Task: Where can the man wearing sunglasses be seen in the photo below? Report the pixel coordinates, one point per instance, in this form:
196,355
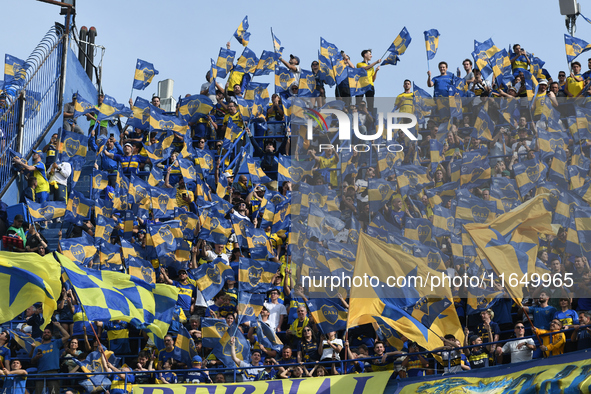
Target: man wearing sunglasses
521,349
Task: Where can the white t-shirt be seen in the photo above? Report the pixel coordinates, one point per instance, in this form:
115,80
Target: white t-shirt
211,256
327,350
251,373
519,355
275,310
61,177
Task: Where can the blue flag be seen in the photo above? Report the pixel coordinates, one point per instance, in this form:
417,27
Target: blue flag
431,42
144,73
241,34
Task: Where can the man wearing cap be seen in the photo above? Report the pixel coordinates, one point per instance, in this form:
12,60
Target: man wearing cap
130,163
186,286
39,172
196,374
18,230
69,120
371,76
541,102
294,66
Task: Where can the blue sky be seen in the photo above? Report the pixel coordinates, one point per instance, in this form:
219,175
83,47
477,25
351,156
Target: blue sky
180,37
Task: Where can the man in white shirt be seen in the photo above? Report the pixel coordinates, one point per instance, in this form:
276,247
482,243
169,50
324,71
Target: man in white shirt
520,349
218,251
59,174
276,310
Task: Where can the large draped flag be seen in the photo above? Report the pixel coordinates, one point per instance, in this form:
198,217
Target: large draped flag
431,42
144,73
401,42
108,295
510,242
241,34
574,47
411,308
28,278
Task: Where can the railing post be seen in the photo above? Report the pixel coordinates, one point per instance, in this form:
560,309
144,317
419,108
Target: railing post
65,43
20,107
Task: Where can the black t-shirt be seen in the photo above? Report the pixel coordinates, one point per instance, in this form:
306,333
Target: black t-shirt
309,350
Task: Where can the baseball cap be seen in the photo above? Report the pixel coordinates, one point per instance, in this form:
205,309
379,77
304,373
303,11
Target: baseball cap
295,57
229,173
40,153
543,81
197,359
19,217
128,144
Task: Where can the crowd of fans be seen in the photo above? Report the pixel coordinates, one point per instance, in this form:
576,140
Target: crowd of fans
552,309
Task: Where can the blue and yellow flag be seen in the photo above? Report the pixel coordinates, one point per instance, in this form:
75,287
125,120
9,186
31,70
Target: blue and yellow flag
557,171
528,174
379,193
267,63
104,227
48,210
392,58
255,276
83,106
483,51
212,330
242,348
443,221
254,88
77,208
139,192
80,250
510,242
140,268
159,121
574,47
163,202
359,82
15,71
291,170
475,210
307,85
144,73
325,71
103,207
504,191
185,345
411,309
109,257
250,306
141,114
283,79
501,67
475,169
215,227
167,240
276,43
24,340
421,230
267,337
225,62
194,107
484,125
110,109
110,295
411,179
329,314
28,278
247,62
401,42
241,34
211,277
431,42
327,49
72,145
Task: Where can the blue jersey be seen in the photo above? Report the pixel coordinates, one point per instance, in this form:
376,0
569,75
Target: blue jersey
50,361
542,316
442,84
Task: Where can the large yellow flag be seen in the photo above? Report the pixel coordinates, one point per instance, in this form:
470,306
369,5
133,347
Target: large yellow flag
25,279
400,291
510,242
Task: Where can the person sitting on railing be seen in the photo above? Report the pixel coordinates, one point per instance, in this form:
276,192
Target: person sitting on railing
15,378
250,373
69,120
552,344
520,349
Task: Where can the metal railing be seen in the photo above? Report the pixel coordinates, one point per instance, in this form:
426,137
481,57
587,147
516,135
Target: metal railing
28,116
